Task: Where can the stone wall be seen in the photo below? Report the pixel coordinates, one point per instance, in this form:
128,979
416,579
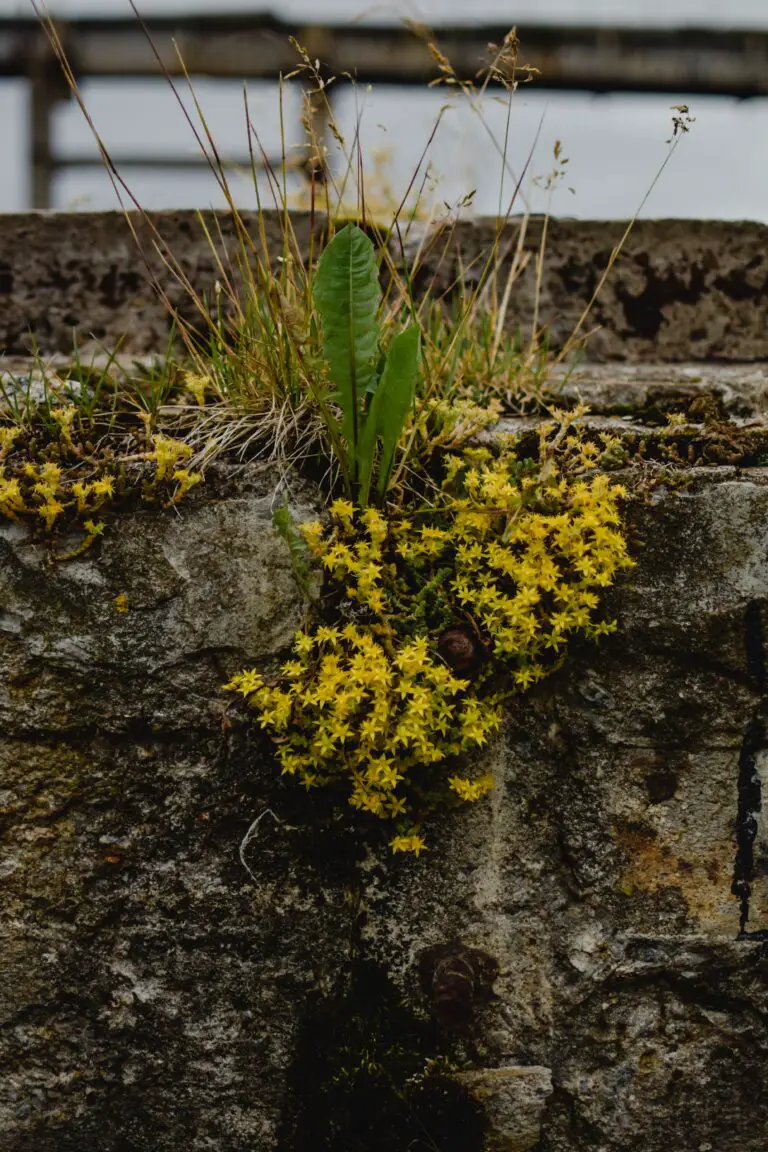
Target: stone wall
681,291
592,940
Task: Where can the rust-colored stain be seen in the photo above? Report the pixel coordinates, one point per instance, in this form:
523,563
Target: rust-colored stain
653,863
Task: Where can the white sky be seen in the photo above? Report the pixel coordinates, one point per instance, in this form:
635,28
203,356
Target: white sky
615,144
723,13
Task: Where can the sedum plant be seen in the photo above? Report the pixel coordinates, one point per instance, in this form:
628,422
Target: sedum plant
433,619
56,480
454,577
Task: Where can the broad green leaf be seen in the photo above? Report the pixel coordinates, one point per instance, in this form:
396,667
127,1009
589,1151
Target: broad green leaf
347,296
396,392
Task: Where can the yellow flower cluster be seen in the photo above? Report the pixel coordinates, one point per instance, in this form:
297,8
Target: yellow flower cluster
166,454
471,790
350,708
528,561
65,418
413,843
12,503
519,551
44,489
454,422
352,558
198,386
45,485
38,490
8,434
93,495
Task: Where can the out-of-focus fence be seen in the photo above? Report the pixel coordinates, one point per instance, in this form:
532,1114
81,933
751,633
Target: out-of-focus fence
690,61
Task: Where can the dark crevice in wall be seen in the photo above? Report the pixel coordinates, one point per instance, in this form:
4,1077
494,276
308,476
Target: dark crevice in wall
359,1078
736,286
754,743
755,646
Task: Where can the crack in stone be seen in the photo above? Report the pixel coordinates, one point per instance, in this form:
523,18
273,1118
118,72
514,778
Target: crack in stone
754,749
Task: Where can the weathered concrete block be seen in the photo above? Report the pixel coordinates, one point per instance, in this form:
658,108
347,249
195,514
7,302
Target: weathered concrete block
683,290
157,996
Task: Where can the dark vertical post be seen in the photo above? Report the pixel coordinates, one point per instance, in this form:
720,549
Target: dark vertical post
40,157
48,86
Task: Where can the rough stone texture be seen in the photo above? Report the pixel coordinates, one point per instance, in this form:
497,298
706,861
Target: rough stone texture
739,391
91,273
681,291
146,982
157,996
514,1100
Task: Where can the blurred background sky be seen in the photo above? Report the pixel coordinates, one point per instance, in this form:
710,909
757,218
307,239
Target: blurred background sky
615,143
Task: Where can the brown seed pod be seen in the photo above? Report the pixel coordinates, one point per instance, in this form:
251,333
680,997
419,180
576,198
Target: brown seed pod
461,649
455,979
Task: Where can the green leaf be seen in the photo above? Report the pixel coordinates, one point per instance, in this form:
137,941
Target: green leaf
367,447
347,296
396,392
301,560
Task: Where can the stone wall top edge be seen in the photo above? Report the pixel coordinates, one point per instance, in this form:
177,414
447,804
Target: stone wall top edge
675,227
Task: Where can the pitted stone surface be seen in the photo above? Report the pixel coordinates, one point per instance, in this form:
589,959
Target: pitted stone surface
682,291
156,996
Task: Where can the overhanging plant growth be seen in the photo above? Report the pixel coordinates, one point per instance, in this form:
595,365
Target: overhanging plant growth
462,592
435,613
433,617
454,575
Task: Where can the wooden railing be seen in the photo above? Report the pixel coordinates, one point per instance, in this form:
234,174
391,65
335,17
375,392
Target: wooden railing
591,59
